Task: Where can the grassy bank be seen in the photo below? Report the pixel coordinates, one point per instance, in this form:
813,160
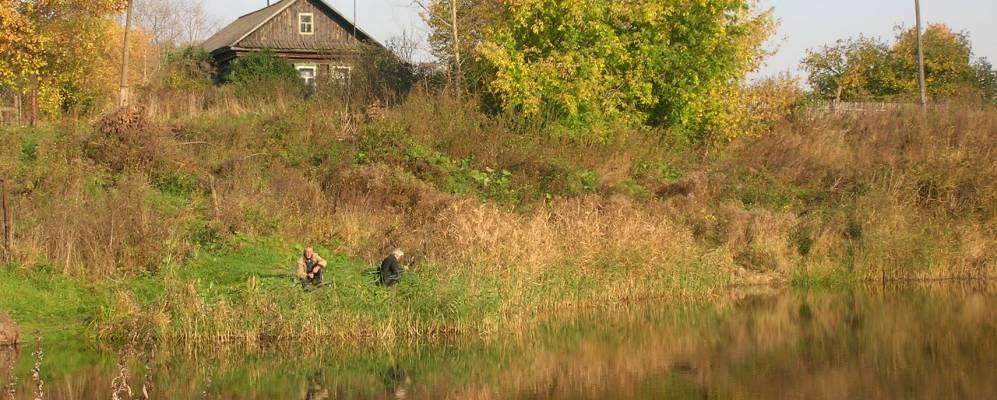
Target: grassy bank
250,296
186,226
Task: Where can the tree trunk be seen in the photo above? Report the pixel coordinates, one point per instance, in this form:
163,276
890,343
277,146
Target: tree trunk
123,95
34,101
456,48
17,107
837,97
145,66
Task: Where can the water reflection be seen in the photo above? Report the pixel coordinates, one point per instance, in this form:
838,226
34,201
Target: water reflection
938,341
314,389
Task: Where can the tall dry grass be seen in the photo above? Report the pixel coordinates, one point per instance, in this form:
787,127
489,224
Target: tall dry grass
900,194
817,200
892,195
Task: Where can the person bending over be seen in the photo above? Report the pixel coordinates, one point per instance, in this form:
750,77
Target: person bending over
310,268
391,270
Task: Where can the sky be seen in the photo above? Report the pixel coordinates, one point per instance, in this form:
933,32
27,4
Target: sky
804,24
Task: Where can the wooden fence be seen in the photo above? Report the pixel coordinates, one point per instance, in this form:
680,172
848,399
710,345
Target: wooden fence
864,107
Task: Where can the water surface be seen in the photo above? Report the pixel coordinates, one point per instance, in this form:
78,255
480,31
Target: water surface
930,341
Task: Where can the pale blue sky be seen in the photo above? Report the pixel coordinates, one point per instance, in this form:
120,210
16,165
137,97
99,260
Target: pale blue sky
804,23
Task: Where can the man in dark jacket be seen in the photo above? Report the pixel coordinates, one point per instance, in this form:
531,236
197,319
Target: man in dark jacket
391,271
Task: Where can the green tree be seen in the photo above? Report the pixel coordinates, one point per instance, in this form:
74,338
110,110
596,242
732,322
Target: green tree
986,79
852,70
869,69
590,64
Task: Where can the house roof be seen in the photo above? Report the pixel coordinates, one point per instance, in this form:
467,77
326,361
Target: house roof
233,33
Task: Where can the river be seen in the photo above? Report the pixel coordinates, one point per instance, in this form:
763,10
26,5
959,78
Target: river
931,341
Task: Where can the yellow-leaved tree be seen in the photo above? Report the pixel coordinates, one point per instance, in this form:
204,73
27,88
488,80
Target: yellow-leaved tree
592,65
60,49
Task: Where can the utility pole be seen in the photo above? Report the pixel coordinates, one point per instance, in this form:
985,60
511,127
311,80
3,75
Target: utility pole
920,55
355,20
123,94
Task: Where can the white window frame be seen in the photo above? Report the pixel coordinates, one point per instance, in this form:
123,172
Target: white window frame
346,77
313,67
311,23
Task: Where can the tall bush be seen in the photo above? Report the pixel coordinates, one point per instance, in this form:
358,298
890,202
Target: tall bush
263,73
189,68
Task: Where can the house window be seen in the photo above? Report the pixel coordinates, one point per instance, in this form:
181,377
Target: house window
307,73
340,73
305,23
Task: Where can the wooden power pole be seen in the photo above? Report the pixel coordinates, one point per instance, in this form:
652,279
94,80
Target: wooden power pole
920,55
123,94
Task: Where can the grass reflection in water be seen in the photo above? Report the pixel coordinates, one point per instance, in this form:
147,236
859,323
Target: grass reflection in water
937,341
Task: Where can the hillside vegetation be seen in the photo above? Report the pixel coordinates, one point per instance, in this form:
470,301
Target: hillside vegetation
185,225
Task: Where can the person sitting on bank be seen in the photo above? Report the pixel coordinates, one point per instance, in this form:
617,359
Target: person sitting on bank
391,271
310,267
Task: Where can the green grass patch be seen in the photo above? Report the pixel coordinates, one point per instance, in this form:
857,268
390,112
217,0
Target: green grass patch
39,299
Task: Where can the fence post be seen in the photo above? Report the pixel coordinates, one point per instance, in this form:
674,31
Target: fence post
5,211
17,108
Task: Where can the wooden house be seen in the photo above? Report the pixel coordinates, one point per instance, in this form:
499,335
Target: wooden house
312,35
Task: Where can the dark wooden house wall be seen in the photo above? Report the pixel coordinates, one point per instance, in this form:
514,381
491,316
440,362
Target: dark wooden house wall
281,32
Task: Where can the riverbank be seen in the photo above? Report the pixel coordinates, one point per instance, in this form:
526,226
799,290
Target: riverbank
185,228
250,296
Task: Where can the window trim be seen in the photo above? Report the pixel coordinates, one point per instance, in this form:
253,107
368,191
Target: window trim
311,66
311,23
347,68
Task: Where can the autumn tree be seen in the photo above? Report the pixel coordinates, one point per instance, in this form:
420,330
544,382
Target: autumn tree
869,69
592,64
852,69
54,46
948,69
20,45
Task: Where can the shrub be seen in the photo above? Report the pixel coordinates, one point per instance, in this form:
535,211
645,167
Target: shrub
382,76
190,68
262,73
124,139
